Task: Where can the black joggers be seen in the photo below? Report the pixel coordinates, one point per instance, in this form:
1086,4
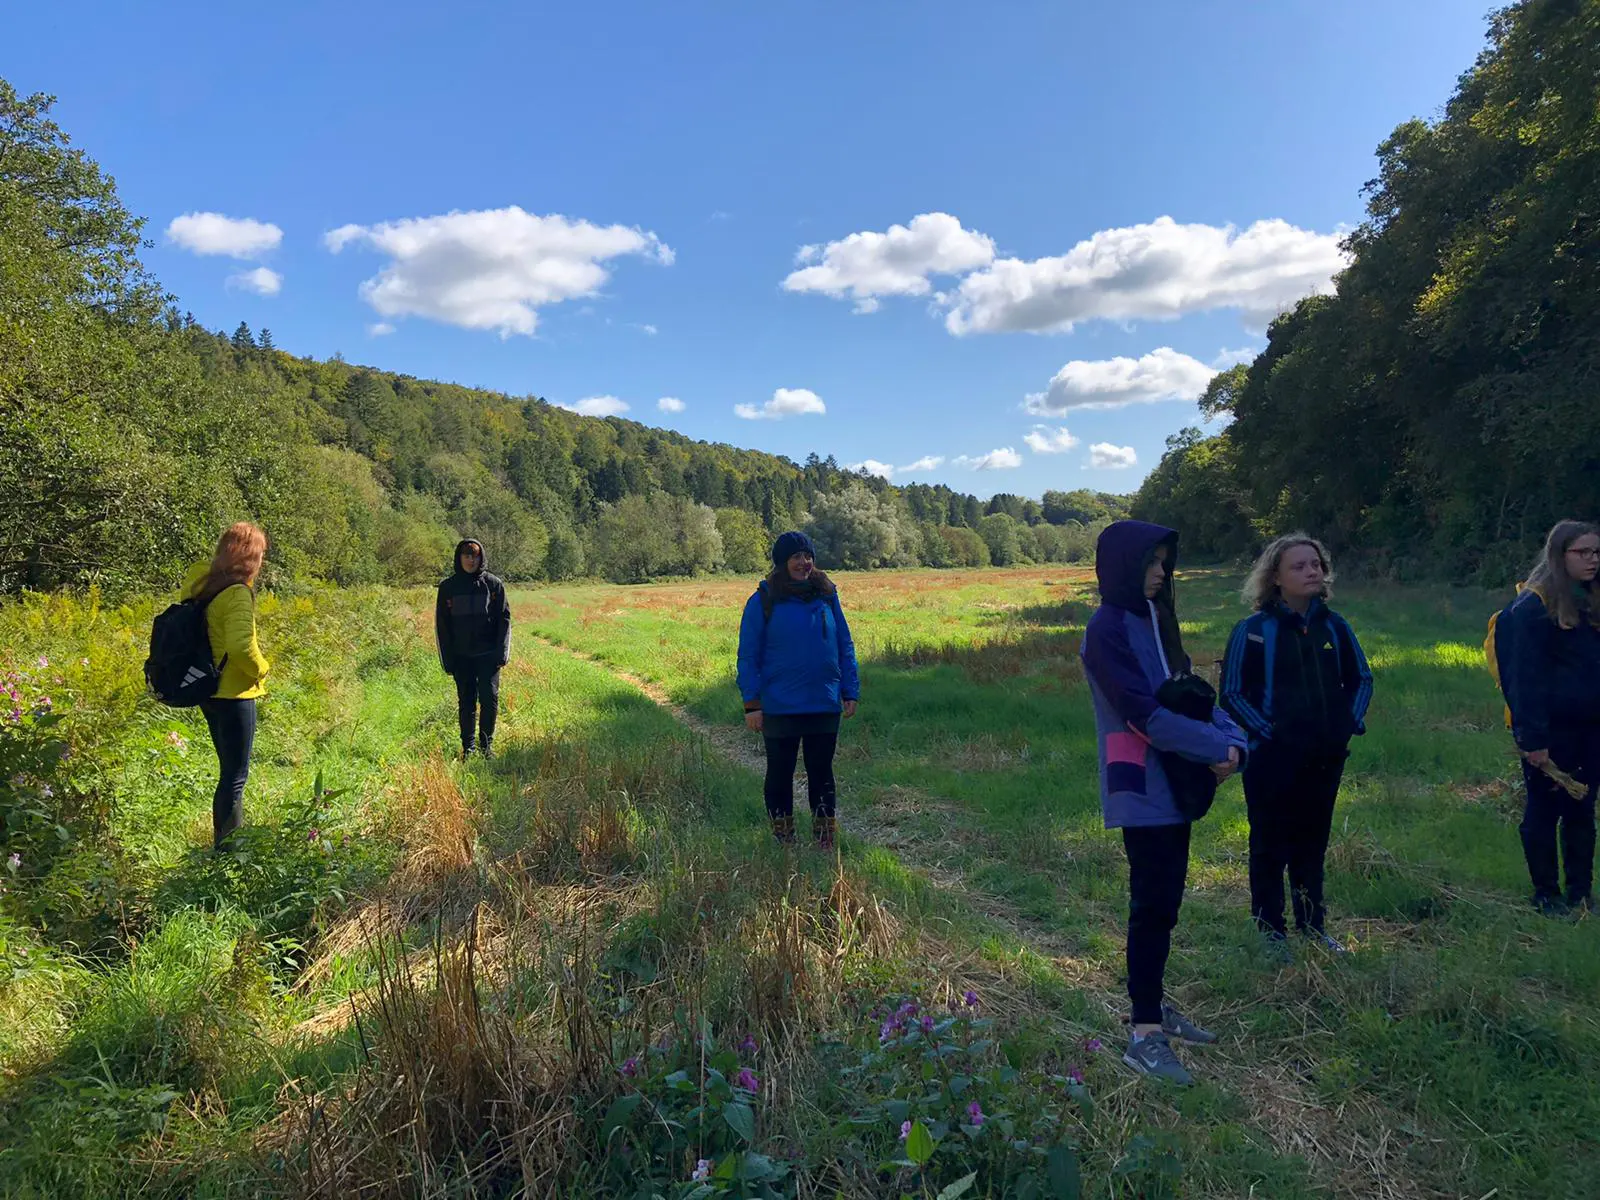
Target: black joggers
782,755
1158,865
233,733
1289,795
1550,811
477,700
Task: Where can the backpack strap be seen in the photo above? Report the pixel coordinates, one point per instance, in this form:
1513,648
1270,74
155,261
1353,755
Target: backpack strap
767,601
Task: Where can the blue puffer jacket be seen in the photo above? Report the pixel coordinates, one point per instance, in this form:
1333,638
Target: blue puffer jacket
1125,664
802,660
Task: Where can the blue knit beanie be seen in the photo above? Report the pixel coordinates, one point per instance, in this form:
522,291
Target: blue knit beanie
789,544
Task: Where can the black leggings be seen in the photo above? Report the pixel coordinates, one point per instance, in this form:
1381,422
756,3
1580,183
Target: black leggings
477,699
1289,795
782,755
1553,818
233,733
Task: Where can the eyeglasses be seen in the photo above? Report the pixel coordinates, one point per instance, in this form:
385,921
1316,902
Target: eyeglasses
1585,552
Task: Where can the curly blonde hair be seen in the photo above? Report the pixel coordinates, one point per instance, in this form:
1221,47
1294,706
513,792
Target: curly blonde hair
1261,585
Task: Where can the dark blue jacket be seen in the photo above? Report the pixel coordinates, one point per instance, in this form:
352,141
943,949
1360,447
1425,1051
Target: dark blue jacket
801,661
1296,680
1551,677
1125,663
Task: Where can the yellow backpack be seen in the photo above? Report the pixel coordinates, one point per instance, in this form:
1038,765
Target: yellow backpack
1491,653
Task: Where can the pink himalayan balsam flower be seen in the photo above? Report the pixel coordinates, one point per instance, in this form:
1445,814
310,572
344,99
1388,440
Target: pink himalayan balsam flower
905,1130
702,1170
749,1045
927,1024
747,1079
970,999
975,1113
630,1068
1094,1045
1075,1075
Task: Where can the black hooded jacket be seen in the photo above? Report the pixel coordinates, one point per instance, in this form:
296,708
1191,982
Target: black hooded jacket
472,618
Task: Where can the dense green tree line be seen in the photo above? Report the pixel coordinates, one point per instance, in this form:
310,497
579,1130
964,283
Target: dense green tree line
1443,408
129,435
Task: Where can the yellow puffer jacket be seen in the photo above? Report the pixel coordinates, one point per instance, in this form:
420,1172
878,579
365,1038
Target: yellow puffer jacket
231,622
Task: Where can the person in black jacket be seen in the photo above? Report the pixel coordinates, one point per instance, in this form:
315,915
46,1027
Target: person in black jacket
473,624
1295,678
1548,647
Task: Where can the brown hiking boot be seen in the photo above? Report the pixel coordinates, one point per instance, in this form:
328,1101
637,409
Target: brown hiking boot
783,830
825,830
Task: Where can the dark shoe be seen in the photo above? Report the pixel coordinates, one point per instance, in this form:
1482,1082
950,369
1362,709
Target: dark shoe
1329,943
1152,1055
1550,906
783,830
1175,1025
466,750
1275,946
1581,904
486,750
824,830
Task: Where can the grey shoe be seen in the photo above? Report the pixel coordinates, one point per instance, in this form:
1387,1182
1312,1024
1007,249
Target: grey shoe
1152,1055
1327,941
1175,1025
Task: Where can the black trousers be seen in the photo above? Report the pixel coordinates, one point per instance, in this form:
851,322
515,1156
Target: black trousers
1289,795
233,734
1158,865
1553,817
477,699
782,755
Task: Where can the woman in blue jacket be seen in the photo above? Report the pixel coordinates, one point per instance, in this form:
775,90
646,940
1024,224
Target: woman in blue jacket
1548,642
797,674
1130,648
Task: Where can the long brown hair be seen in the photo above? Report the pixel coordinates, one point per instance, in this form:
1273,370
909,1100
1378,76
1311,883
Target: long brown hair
1261,585
1550,579
240,550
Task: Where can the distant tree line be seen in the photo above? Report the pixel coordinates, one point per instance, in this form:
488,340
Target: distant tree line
1441,410
129,435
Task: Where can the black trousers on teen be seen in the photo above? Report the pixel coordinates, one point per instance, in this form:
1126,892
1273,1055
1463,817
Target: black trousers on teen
1158,865
233,734
477,698
1555,819
1289,794
817,736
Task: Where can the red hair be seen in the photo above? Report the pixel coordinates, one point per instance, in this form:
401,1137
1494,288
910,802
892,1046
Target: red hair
238,558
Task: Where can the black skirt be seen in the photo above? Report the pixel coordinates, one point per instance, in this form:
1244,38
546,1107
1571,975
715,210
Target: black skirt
789,725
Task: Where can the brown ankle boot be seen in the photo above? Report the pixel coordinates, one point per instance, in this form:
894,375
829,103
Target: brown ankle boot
783,830
824,829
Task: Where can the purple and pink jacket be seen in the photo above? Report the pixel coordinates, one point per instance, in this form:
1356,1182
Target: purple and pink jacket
1125,663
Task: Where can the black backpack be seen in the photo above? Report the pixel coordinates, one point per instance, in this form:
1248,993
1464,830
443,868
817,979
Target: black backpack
179,670
1194,785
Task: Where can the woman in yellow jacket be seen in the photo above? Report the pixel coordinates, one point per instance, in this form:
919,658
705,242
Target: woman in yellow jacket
225,586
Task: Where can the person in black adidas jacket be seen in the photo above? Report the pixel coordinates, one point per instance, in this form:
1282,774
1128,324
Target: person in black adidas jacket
1296,680
473,624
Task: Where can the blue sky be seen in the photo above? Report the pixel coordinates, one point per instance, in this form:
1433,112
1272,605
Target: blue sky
635,184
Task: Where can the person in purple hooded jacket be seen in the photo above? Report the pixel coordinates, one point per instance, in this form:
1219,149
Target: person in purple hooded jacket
1130,648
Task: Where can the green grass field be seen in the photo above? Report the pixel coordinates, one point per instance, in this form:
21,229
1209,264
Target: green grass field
543,975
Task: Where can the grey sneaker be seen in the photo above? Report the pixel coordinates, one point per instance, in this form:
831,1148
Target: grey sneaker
1327,941
1175,1025
1152,1055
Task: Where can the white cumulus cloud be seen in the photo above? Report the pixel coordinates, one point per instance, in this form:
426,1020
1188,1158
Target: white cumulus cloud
597,406
929,462
865,266
213,233
996,460
1232,358
1104,454
490,269
1162,374
380,329
263,281
785,402
873,467
1044,440
1158,271
671,404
